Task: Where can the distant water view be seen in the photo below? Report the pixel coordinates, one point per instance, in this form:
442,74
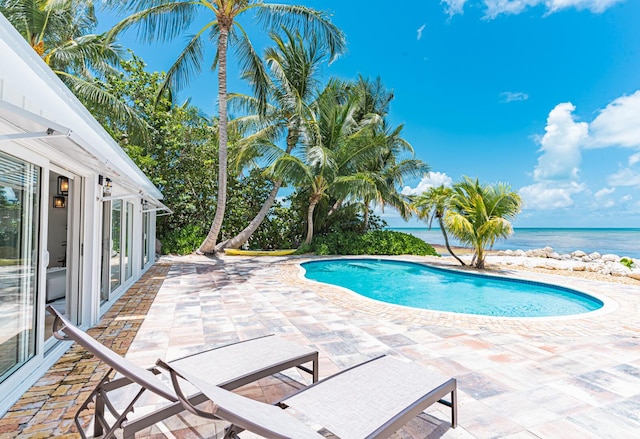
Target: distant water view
622,242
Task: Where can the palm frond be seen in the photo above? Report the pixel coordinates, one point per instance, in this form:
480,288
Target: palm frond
308,20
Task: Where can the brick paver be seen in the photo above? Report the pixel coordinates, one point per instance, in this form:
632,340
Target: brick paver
47,408
518,378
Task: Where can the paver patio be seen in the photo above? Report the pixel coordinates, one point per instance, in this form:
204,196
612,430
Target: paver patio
517,378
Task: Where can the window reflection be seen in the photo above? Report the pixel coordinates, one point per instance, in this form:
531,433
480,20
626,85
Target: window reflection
19,218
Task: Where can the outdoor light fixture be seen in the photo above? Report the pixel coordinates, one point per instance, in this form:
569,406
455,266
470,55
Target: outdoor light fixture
59,202
106,185
63,185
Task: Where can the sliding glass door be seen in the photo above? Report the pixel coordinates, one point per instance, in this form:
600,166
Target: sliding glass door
19,220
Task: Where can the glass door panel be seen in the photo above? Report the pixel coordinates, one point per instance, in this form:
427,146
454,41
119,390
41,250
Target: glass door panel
19,220
116,244
128,241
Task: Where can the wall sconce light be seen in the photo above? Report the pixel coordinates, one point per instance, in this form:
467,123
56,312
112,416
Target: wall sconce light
63,185
59,202
106,185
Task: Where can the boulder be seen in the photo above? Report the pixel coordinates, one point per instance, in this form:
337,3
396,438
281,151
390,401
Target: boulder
508,252
586,259
620,271
610,258
578,266
634,274
537,253
548,249
519,253
554,255
595,267
595,255
578,254
606,271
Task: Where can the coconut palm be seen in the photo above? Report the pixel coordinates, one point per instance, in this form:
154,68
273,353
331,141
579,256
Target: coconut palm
294,66
480,214
166,19
337,151
379,180
433,204
60,31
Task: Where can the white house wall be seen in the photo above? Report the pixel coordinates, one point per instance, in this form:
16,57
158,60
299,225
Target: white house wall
32,98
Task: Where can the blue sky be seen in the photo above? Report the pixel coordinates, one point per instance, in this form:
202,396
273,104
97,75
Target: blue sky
542,94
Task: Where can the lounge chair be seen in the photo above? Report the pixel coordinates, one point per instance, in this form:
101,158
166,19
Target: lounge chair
229,367
371,400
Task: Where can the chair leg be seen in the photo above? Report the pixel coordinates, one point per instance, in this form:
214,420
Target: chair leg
454,408
99,414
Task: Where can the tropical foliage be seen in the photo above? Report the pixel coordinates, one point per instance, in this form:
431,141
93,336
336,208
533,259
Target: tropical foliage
167,19
376,242
433,204
479,214
61,33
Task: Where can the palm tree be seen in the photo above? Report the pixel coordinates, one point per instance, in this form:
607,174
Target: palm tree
61,33
337,152
166,19
434,203
480,214
294,66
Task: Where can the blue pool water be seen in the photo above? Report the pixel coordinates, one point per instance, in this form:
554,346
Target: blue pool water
421,286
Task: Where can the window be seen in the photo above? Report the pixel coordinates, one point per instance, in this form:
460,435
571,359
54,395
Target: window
116,243
128,241
146,226
19,226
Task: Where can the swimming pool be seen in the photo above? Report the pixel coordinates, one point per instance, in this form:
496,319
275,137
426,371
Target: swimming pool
422,286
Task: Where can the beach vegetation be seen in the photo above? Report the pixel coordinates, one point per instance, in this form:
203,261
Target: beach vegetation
166,20
479,214
627,262
375,242
433,204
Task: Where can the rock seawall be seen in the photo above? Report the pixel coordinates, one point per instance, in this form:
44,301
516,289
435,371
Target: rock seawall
547,258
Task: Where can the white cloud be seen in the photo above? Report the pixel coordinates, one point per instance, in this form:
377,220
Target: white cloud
595,6
509,96
602,197
432,179
624,177
497,7
560,145
420,29
626,198
557,173
547,196
602,193
634,158
618,124
453,7
494,8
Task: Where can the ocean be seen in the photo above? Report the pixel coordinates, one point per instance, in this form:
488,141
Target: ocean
622,242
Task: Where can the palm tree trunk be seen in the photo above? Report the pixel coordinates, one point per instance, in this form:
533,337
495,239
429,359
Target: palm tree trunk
208,246
335,206
312,207
365,219
446,241
480,258
240,238
244,235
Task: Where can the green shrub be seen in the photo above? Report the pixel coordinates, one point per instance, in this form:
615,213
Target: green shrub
627,262
377,242
183,241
